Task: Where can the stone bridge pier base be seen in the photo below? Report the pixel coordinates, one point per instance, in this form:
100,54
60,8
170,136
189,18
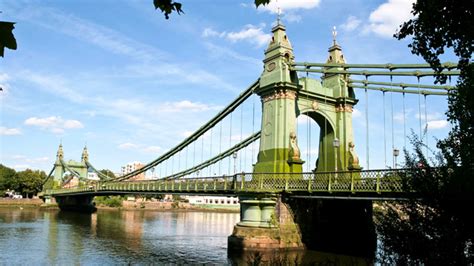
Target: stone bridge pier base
281,222
76,203
266,223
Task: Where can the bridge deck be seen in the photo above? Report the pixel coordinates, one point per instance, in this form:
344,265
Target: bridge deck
373,182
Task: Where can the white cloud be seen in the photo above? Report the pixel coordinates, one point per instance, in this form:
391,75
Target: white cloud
127,146
55,124
9,131
4,77
429,116
437,124
351,24
385,20
356,113
250,33
187,133
152,149
4,87
208,32
106,38
141,148
185,105
18,167
286,5
23,158
292,17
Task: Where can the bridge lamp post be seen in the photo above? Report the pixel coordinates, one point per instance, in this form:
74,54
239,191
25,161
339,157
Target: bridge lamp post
396,152
234,155
336,145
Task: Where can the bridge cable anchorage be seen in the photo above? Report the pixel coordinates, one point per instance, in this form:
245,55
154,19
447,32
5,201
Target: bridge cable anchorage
216,119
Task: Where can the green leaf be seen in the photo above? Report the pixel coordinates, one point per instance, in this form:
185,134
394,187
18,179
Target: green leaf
261,2
6,36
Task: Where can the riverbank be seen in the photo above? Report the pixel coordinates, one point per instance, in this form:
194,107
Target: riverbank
126,205
168,206
32,203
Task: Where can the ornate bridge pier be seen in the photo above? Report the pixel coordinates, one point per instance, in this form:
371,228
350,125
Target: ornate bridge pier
271,221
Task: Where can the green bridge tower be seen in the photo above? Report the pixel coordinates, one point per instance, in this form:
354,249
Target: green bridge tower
267,220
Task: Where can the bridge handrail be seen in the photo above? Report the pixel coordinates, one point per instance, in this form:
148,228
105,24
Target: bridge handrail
366,181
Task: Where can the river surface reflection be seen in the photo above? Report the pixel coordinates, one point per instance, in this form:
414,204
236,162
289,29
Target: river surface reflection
33,236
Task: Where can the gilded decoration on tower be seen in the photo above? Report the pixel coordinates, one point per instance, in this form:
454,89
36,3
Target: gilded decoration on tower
280,94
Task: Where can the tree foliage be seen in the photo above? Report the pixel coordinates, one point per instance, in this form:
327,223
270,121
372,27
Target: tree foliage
437,25
7,39
436,227
108,173
7,175
432,227
28,182
170,6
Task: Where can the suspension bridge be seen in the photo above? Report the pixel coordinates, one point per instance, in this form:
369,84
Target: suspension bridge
276,187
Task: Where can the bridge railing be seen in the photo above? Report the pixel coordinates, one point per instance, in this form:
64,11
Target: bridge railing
375,181
344,181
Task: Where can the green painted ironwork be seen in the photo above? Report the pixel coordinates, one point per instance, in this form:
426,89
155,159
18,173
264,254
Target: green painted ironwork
415,73
386,89
403,85
218,157
389,66
366,182
203,129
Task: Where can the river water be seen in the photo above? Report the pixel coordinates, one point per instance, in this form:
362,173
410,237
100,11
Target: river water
109,237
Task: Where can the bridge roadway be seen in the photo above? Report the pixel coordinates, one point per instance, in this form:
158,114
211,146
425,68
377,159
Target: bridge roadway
368,184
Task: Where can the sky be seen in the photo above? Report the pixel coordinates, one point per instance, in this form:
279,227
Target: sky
120,78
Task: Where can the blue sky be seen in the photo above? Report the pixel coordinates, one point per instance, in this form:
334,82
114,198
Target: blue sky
117,76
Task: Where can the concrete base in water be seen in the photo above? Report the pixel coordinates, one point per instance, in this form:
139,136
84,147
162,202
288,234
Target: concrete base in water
338,226
265,224
76,203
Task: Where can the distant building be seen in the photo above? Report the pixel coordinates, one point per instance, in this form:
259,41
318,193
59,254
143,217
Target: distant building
130,167
214,201
93,176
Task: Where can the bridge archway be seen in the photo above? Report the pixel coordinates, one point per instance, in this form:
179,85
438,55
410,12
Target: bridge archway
318,135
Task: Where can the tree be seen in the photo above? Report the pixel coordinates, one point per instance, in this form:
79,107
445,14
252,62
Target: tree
436,228
169,6
107,173
29,182
7,176
6,36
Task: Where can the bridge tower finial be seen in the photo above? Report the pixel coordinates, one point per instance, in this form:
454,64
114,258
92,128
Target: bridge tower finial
335,51
60,153
85,154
